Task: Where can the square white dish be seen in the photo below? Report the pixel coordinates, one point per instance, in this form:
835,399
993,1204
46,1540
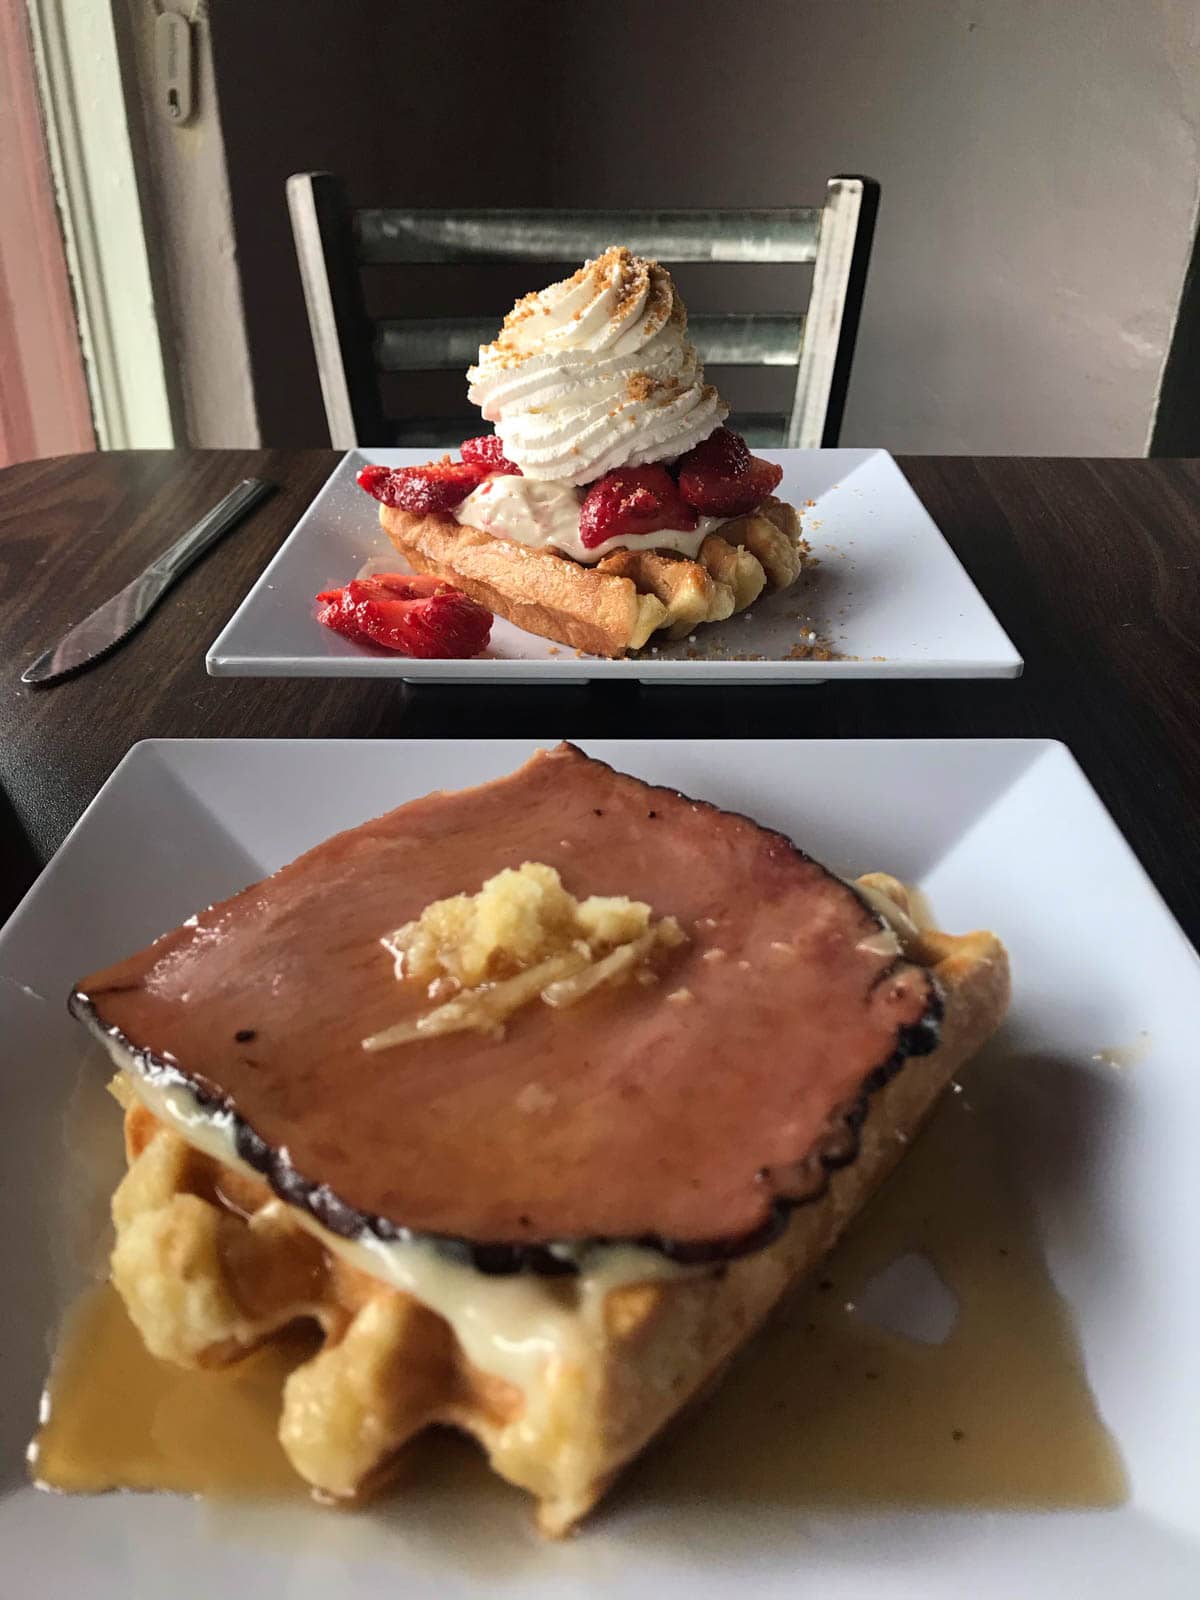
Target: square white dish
889,593
1002,834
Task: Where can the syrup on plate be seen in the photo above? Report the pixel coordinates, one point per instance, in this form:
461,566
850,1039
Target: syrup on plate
931,1363
115,1417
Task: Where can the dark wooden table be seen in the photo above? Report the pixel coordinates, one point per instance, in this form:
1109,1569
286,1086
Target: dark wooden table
1091,566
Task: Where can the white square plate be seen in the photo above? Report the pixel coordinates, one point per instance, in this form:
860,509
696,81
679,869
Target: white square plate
889,593
1003,834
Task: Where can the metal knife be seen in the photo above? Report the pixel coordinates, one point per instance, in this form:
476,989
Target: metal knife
110,624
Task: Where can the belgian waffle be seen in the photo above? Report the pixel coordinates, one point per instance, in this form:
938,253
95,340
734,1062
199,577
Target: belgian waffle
615,606
210,1264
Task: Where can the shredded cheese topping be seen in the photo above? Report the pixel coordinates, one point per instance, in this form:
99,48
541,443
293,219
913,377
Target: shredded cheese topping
523,936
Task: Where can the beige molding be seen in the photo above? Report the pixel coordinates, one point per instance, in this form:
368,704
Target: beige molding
90,156
184,183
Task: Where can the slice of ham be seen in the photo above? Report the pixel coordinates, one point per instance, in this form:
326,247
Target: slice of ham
688,1114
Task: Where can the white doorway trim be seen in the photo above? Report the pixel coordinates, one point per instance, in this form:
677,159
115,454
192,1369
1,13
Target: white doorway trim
84,108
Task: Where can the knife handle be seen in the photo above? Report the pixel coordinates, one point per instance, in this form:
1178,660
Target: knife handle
175,561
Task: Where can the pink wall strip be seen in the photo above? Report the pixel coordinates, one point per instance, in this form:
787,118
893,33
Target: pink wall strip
44,407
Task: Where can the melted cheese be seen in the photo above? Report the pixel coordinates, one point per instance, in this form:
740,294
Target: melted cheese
523,1328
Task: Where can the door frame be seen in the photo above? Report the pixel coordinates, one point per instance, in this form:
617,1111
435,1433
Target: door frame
100,214
44,404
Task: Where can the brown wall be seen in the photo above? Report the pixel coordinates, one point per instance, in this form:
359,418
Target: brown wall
413,103
1039,162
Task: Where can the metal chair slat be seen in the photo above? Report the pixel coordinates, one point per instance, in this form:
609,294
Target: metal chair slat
393,235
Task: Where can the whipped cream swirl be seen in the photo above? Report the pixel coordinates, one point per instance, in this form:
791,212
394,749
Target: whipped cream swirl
596,372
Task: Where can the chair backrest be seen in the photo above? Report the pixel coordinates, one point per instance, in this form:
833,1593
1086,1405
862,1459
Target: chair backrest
334,242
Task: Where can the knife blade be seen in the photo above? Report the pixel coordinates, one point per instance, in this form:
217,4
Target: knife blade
112,623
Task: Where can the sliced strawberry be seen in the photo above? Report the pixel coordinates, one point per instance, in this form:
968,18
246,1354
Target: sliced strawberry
765,477
412,613
436,486
488,452
449,625
418,615
632,500
713,475
722,479
336,612
444,625
724,454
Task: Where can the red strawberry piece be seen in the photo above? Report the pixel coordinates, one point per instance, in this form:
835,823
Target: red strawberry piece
713,475
488,452
336,612
765,477
632,500
724,453
374,479
418,616
449,625
436,486
722,479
